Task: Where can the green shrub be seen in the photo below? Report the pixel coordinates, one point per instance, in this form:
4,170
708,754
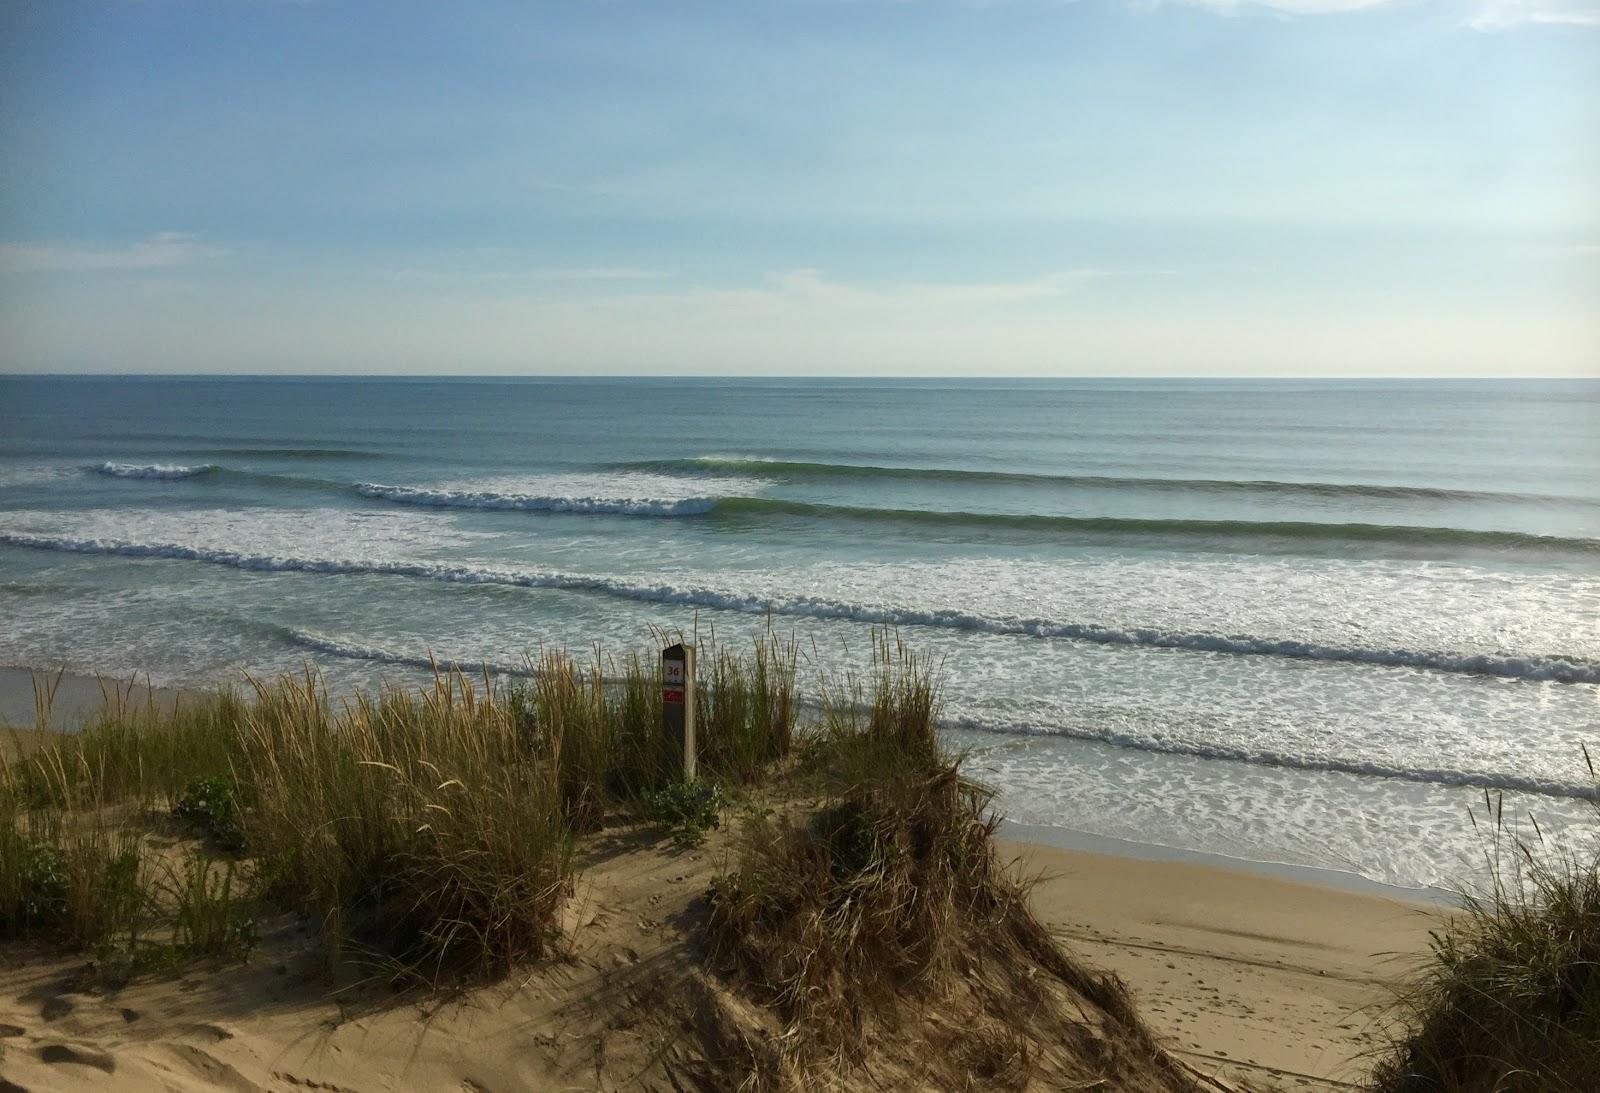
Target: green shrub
33,886
210,807
688,810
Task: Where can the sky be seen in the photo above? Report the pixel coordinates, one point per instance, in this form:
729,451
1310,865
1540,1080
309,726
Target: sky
796,187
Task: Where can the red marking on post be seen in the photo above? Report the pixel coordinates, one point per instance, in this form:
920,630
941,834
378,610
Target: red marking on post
672,695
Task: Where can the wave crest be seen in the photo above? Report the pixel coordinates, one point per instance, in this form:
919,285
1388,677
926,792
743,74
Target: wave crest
158,471
488,499
800,470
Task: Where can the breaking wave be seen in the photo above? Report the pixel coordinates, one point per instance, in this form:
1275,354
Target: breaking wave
1554,668
160,471
649,499
494,500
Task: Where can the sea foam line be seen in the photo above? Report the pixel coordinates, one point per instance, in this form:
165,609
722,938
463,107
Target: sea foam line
1560,669
485,499
351,650
1442,776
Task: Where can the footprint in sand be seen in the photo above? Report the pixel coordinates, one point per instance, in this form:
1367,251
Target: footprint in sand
55,1006
62,1054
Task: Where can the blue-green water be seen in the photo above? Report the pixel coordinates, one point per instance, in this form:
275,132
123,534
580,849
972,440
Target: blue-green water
1305,622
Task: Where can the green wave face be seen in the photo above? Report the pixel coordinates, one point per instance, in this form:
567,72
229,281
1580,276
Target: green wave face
1217,529
800,471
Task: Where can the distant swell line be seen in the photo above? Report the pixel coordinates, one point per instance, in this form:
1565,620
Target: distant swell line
1442,776
800,470
734,507
1548,668
755,507
292,453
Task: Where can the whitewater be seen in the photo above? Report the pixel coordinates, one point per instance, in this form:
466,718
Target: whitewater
1296,622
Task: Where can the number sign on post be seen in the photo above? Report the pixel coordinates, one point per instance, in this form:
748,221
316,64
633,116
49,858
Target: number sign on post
677,705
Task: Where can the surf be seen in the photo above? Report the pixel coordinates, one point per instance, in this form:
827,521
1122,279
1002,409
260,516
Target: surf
1529,667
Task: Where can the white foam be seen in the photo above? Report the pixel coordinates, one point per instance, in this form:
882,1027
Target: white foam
1442,776
159,471
1557,668
628,493
461,499
27,475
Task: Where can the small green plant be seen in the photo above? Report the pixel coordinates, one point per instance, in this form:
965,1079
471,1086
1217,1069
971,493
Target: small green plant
687,810
35,874
210,806
212,918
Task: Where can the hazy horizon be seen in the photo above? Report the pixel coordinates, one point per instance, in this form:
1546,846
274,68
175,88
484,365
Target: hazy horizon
1016,188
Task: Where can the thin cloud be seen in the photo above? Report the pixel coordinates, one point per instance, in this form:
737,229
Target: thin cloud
164,250
1484,14
546,274
811,293
1501,14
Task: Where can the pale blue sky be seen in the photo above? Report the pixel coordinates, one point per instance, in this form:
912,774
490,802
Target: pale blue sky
1028,187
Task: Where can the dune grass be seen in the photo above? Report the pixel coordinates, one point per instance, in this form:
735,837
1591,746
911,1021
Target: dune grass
1509,1000
429,833
424,827
886,889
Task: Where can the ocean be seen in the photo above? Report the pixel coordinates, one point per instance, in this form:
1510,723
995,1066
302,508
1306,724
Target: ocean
1288,621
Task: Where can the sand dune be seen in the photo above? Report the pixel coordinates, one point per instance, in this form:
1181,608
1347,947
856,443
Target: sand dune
1245,976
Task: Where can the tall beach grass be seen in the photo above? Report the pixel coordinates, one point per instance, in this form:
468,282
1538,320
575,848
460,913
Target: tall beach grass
1508,1000
429,831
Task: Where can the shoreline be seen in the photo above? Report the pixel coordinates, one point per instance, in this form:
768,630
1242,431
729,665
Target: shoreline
1311,876
79,696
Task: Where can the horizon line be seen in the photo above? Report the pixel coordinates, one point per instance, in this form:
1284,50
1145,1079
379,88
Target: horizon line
790,376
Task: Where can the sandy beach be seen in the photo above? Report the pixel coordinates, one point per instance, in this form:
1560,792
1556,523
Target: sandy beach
1245,974
75,697
1247,977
